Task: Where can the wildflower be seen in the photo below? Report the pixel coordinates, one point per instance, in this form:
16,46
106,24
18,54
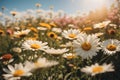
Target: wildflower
57,30
19,34
6,57
34,45
69,55
71,25
52,35
113,26
97,69
86,46
102,24
110,46
56,51
13,13
34,29
99,34
45,25
42,28
43,63
17,71
38,5
17,50
71,34
53,24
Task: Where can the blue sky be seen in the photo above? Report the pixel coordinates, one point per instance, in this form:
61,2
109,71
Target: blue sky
69,6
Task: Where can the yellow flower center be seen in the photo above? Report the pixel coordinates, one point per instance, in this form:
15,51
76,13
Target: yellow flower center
18,73
111,47
37,64
35,46
72,35
97,69
70,56
86,46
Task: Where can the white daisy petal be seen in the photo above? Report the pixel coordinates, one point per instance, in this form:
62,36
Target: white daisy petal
71,34
56,51
43,62
97,69
86,46
34,45
16,72
110,46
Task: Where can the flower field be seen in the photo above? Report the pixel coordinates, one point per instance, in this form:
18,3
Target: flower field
53,45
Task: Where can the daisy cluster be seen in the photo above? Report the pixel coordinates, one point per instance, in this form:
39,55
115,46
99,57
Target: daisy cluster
54,46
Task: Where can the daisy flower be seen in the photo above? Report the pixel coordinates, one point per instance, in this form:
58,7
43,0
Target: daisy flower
71,34
53,24
42,28
86,46
17,49
13,13
99,34
69,55
46,25
101,25
34,29
22,33
56,51
38,5
34,45
43,62
71,25
110,46
97,69
17,71
6,56
52,35
57,30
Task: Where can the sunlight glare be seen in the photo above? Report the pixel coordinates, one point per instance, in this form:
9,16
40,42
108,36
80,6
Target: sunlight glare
95,3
